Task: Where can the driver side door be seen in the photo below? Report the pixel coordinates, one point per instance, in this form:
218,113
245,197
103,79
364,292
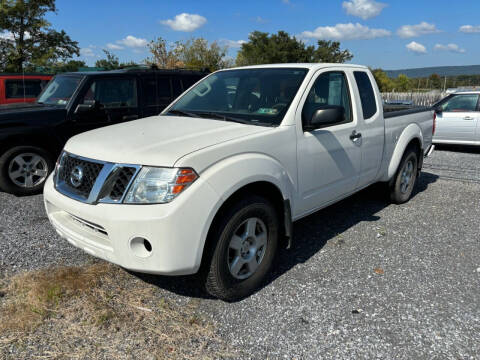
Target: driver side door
329,158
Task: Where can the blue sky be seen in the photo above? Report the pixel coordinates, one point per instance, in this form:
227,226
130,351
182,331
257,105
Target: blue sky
391,34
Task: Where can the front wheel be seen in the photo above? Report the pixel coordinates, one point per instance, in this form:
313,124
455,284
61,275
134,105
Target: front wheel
404,182
246,239
24,169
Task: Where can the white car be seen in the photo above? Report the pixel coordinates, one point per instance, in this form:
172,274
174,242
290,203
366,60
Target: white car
458,119
215,182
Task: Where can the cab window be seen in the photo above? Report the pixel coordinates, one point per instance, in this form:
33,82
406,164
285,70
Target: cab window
330,88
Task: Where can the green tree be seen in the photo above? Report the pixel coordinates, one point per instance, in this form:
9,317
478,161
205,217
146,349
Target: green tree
28,40
434,81
402,83
69,66
199,54
111,61
264,48
164,56
329,52
385,84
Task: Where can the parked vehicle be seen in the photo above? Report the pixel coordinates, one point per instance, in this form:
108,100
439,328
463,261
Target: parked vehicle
215,182
20,88
32,135
458,119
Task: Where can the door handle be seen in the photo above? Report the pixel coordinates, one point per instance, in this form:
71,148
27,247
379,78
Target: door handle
355,136
468,118
129,117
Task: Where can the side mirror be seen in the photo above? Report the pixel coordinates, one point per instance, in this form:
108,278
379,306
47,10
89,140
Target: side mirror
438,110
87,106
326,115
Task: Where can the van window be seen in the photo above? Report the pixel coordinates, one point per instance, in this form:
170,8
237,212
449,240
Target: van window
19,89
367,96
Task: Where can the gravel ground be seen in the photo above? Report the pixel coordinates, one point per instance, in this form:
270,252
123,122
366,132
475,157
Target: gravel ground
365,279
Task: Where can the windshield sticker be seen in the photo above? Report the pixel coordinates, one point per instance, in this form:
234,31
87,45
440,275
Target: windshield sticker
267,111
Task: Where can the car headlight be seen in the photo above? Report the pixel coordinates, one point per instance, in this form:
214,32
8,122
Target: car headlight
155,185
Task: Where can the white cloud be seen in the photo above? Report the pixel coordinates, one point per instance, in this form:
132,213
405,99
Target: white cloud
424,28
261,20
185,22
111,46
87,52
345,32
416,48
364,9
286,1
450,47
232,43
470,29
133,42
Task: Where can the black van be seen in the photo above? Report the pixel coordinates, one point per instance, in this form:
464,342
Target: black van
33,134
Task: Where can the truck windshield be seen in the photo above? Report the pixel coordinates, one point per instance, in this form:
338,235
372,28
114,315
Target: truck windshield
253,96
59,90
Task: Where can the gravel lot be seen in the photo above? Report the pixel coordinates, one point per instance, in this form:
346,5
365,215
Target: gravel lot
365,279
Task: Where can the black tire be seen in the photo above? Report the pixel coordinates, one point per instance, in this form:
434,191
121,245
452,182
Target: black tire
8,185
220,282
400,194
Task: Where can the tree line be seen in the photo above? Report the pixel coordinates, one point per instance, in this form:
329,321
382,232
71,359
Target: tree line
403,83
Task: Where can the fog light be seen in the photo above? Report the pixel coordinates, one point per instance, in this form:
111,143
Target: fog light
141,247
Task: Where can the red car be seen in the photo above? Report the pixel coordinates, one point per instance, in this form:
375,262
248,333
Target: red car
18,88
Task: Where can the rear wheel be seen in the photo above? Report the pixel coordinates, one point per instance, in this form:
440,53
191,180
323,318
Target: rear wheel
24,169
404,182
246,239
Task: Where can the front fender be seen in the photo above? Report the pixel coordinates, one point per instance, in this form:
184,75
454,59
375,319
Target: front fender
231,174
410,133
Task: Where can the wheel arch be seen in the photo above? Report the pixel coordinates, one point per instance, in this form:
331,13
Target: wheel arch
411,136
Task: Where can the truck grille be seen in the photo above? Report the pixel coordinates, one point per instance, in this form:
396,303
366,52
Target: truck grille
87,170
120,185
92,181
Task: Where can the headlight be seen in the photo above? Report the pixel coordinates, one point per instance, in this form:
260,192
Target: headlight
159,185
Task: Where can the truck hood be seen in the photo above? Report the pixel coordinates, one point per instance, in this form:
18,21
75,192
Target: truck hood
156,141
24,113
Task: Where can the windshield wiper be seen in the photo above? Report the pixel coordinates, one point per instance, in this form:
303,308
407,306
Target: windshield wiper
181,112
218,116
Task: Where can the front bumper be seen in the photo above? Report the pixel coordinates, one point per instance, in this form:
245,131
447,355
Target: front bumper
176,231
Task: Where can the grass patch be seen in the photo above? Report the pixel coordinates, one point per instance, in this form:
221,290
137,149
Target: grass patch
99,311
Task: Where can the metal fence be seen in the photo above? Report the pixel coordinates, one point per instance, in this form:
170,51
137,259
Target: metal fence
413,98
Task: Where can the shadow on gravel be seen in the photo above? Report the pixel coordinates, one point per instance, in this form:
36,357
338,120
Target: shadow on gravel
310,235
459,148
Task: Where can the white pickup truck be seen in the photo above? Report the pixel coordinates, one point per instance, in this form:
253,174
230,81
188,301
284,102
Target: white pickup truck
214,183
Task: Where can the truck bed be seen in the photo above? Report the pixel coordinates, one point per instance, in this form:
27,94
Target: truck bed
390,111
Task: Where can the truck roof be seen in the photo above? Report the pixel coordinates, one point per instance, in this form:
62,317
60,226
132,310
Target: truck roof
137,71
313,66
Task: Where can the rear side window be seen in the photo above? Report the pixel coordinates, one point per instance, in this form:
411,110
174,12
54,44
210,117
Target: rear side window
19,89
367,96
113,93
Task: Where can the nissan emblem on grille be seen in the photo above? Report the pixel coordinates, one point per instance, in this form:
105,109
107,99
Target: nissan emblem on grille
76,176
